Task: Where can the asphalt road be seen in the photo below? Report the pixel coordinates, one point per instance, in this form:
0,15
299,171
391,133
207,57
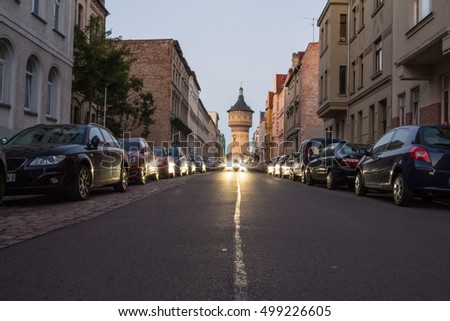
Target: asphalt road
240,236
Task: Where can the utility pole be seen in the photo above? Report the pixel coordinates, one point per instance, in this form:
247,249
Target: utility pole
313,24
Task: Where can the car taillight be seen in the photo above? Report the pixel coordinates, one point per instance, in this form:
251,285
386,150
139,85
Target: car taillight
351,162
420,154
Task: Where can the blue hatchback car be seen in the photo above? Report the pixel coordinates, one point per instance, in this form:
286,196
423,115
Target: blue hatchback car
409,161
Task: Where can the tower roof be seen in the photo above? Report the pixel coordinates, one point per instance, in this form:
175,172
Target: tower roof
241,105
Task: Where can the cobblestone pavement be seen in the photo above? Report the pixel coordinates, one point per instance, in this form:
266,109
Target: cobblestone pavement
22,218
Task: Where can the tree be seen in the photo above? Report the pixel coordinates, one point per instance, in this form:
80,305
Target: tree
102,67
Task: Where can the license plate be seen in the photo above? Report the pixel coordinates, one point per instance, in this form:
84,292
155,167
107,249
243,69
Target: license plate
10,178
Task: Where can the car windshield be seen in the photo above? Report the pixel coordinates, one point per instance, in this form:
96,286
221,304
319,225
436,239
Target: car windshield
49,135
131,145
438,136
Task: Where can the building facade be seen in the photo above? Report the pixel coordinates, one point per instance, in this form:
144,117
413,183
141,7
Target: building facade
36,59
301,121
240,119
84,11
278,115
386,85
166,74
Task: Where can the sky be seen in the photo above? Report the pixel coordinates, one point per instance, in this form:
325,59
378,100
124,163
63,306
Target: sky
225,42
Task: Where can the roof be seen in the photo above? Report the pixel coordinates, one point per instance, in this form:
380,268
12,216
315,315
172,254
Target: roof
241,105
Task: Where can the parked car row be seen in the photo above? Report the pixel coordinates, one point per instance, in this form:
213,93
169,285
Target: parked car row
408,161
69,160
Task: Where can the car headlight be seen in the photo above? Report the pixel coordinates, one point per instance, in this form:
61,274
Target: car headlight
48,160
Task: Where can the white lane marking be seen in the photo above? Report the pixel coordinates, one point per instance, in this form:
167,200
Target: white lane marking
240,276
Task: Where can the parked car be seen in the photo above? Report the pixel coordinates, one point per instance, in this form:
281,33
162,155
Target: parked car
64,160
192,167
282,166
408,161
166,164
307,151
271,165
293,158
2,172
143,162
335,165
200,164
181,162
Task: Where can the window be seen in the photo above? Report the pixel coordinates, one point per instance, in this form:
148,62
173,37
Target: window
371,123
353,77
56,14
51,93
422,8
342,80
360,127
361,13
2,73
80,16
445,103
29,84
35,6
415,95
382,114
400,139
361,70
378,56
96,132
325,83
354,22
382,143
402,106
343,28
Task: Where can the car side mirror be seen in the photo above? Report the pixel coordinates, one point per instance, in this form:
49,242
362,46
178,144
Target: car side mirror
95,141
4,140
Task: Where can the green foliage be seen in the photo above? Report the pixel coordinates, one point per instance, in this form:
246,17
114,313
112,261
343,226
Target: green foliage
101,62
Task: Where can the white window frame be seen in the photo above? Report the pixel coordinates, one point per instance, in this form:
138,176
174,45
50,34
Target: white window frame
35,7
57,15
421,9
378,55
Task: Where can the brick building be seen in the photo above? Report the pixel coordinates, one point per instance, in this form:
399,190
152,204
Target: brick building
166,74
301,98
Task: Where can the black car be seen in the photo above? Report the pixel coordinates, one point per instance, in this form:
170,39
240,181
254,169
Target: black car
65,160
307,151
335,165
408,161
2,172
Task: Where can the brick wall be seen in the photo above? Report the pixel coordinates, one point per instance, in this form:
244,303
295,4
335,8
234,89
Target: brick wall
311,124
395,122
430,114
154,66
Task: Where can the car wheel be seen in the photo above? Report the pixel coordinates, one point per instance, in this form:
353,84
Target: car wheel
308,179
402,194
303,180
122,185
360,189
331,181
82,184
142,179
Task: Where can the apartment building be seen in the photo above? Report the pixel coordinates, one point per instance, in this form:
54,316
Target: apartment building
421,53
395,57
268,135
301,121
166,74
36,59
278,114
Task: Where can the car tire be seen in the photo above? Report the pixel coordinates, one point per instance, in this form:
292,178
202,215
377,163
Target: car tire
303,179
122,185
360,189
308,179
142,177
82,184
401,193
331,181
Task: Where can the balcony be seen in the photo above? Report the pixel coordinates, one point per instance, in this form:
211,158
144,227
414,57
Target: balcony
332,110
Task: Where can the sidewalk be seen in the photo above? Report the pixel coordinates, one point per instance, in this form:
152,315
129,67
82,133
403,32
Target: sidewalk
26,217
